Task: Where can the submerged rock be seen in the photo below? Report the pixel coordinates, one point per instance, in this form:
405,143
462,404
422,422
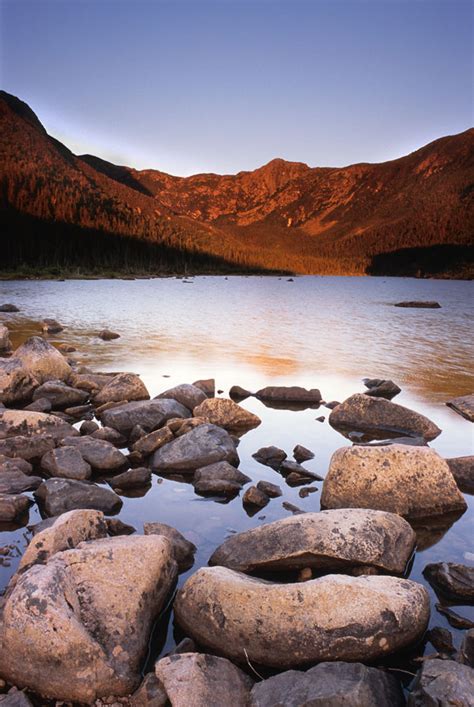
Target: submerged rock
42,361
462,468
331,540
16,382
464,405
123,386
285,625
329,685
107,335
362,413
201,680
204,445
51,326
227,414
188,395
414,482
97,605
442,682
454,580
149,414
57,496
183,550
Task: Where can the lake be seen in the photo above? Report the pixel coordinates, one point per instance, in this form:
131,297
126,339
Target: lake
317,332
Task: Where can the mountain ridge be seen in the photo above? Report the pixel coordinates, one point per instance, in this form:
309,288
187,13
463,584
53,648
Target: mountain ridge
281,216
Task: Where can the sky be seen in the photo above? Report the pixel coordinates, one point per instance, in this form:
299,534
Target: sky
189,86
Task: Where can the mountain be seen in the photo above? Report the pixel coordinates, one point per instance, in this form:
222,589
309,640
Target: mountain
413,215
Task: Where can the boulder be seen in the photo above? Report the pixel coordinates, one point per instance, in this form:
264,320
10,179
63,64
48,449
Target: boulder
16,382
254,496
123,386
452,580
149,443
441,639
443,683
150,414
202,446
220,470
467,648
66,532
202,680
238,393
302,454
66,463
151,693
51,326
329,685
462,468
9,308
289,394
107,335
96,606
414,482
380,388
464,405
455,620
288,467
42,361
377,416
5,343
92,382
181,427
338,541
9,464
208,386
286,625
227,414
96,452
24,422
188,395
108,434
418,305
88,427
271,490
115,526
133,478
270,456
15,481
12,506
183,550
56,496
59,394
26,447
217,487
39,405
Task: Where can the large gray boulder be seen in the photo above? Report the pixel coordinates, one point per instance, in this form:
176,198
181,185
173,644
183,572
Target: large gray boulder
42,360
227,414
188,395
26,423
16,382
444,683
123,386
362,413
149,414
57,496
65,533
60,395
337,540
94,608
201,680
204,445
414,482
335,617
335,684
98,453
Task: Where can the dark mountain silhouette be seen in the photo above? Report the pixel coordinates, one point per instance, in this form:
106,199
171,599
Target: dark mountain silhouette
413,215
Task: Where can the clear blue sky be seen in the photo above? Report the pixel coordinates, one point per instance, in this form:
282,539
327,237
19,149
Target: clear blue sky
224,85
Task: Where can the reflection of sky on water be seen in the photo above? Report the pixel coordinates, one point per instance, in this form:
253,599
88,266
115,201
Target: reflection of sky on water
316,332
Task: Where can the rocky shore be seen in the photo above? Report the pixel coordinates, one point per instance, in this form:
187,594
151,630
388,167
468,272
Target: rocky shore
299,611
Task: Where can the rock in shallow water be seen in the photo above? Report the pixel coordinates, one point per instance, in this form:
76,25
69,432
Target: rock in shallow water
454,580
95,607
462,468
464,405
12,506
270,456
329,685
329,540
289,394
97,452
23,422
123,386
57,496
149,414
202,446
42,360
201,680
188,395
227,414
414,482
362,413
443,683
287,625
66,463
183,550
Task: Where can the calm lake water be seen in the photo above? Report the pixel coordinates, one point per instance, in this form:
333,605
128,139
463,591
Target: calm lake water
322,332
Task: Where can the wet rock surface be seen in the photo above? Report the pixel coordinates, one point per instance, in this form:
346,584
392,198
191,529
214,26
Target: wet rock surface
329,685
56,496
286,625
412,481
363,413
452,579
270,456
330,540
